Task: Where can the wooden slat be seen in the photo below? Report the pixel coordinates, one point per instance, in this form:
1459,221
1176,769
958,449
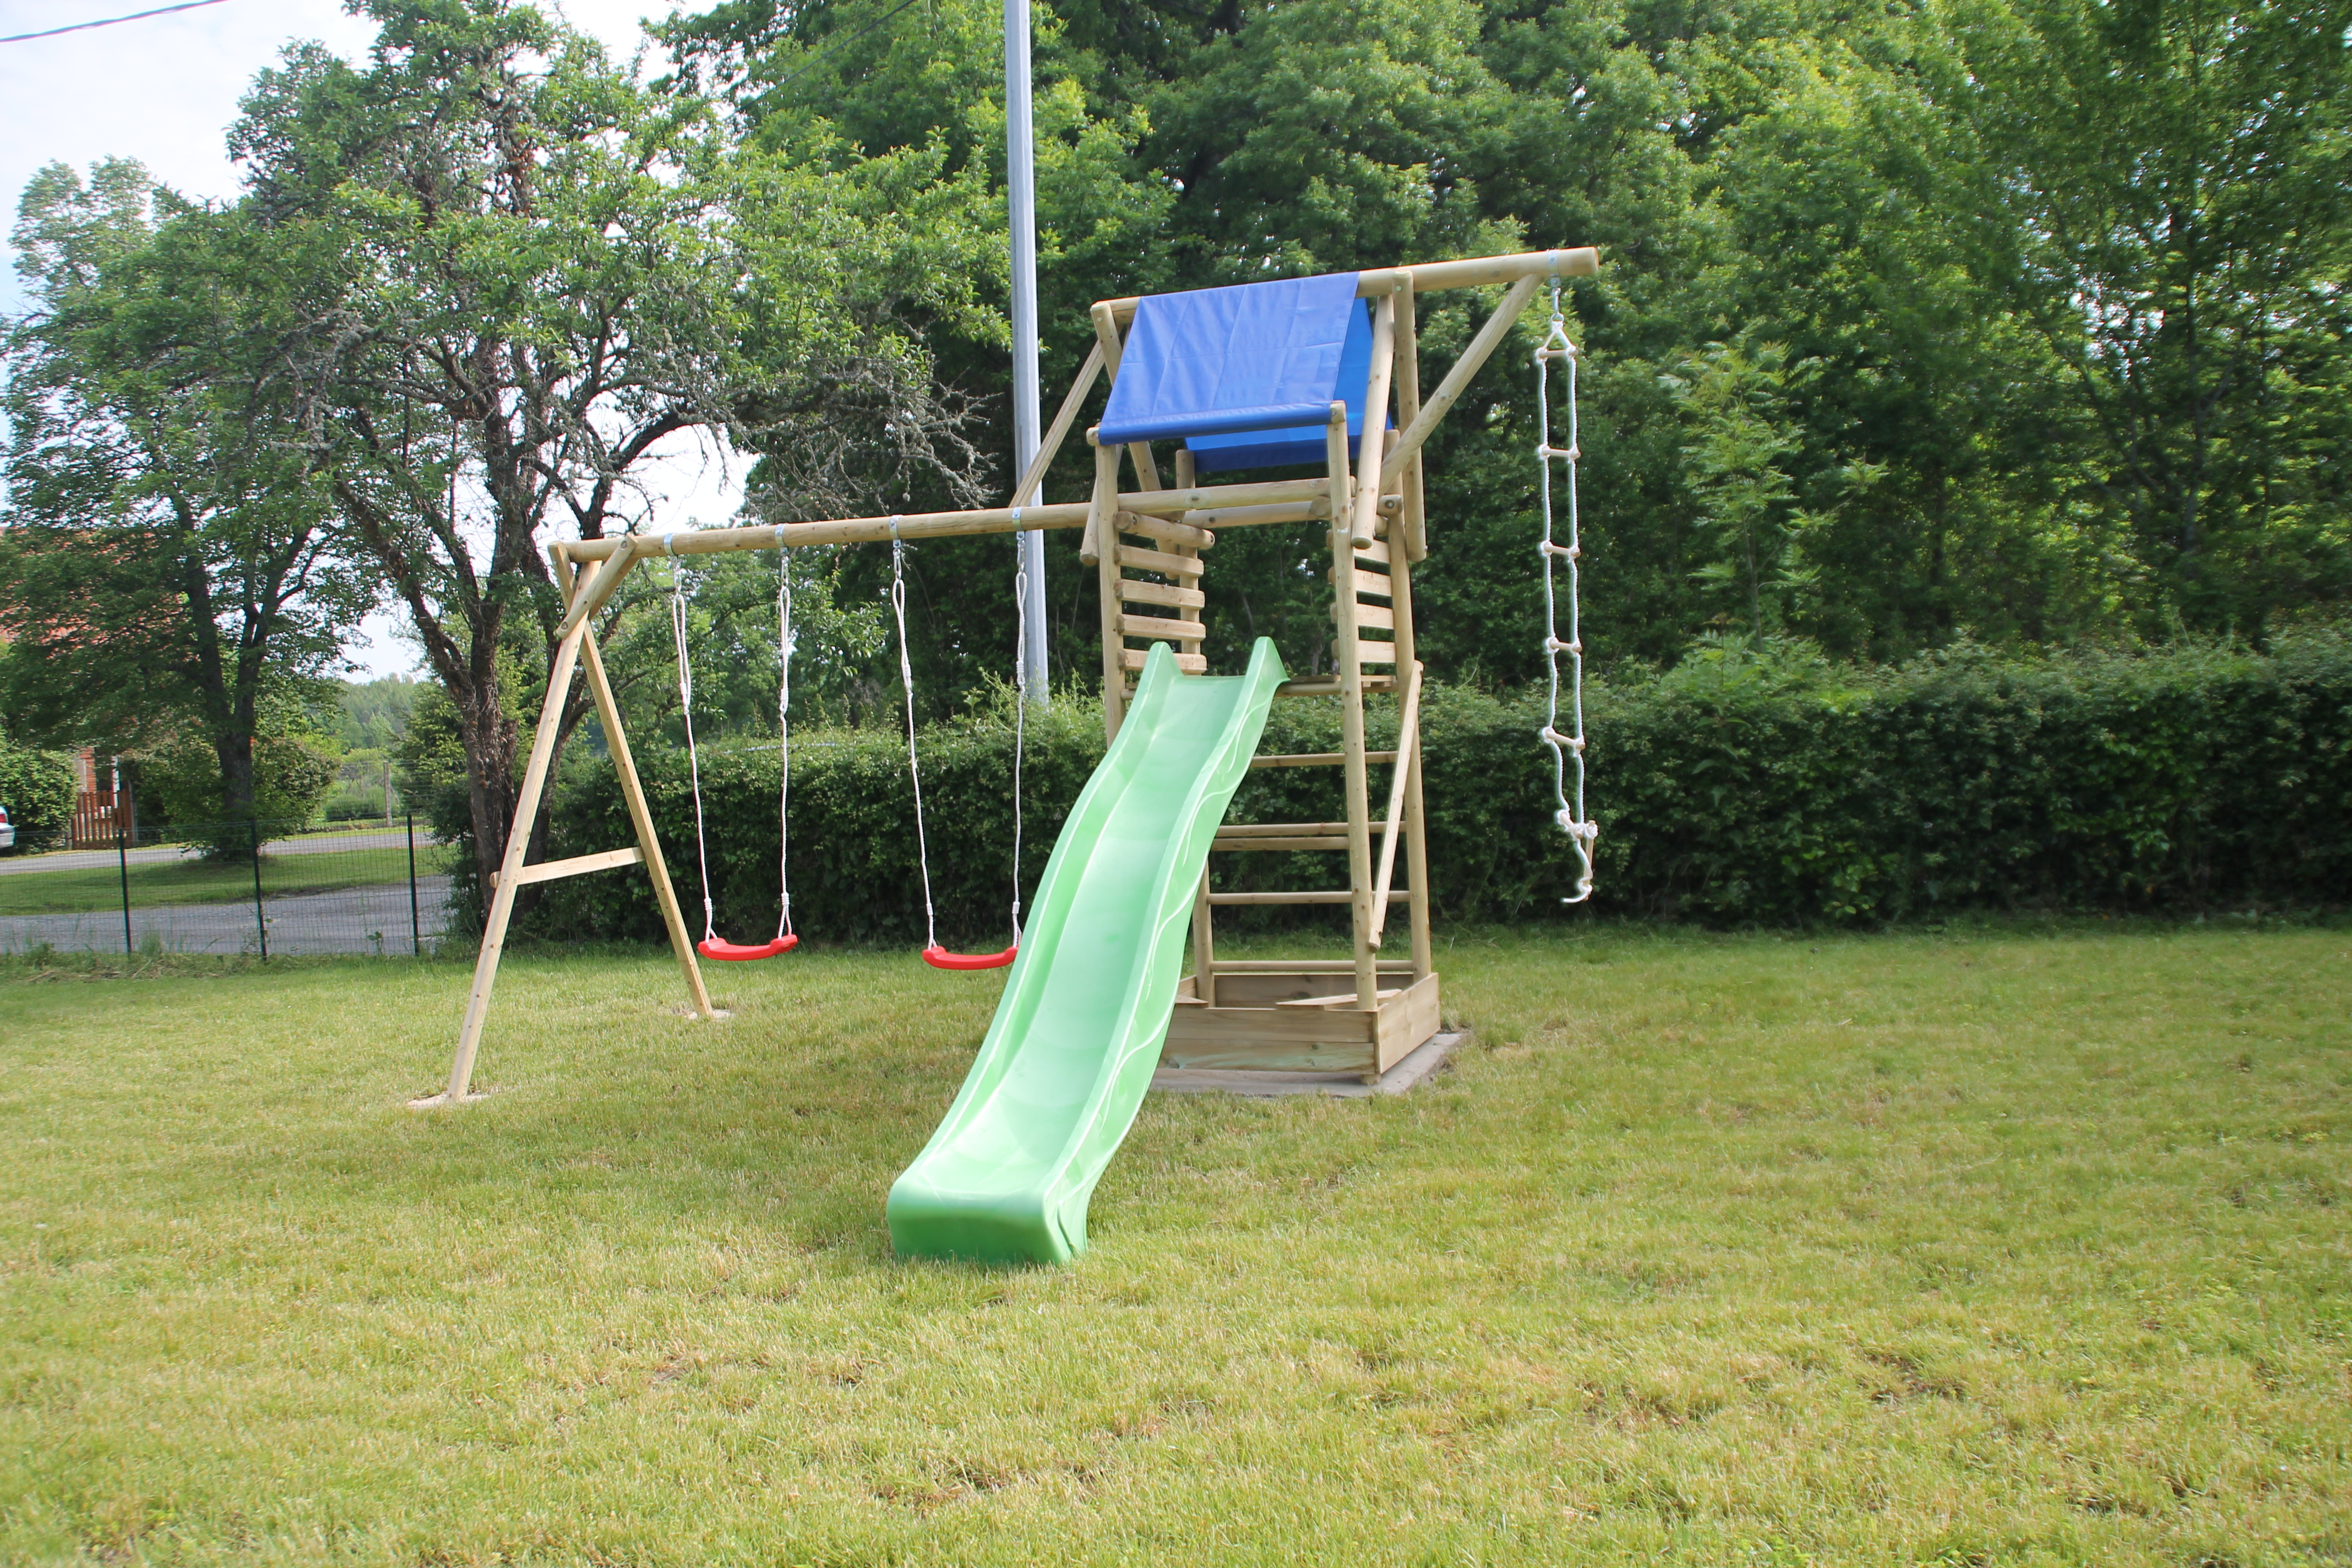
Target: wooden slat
1137,558
1317,759
1331,896
1158,627
1345,999
1266,899
1376,653
1307,965
1131,659
1139,593
1376,552
1276,829
1379,617
1320,841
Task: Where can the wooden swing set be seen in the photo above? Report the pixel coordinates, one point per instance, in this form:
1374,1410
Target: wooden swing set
1358,1014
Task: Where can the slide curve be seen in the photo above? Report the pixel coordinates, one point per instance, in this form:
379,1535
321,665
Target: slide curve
1077,1035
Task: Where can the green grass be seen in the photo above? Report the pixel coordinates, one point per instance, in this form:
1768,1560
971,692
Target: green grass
1973,1249
198,881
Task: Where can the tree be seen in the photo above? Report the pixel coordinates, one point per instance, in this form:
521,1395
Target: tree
526,272
169,557
2158,190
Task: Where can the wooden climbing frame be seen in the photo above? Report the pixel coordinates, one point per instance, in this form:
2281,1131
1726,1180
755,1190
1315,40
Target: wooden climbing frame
1360,1014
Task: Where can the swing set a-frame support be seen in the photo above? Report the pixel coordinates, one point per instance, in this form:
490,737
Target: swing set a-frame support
1377,531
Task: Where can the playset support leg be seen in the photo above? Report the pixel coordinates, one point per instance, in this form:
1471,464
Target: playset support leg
641,818
575,647
1102,531
502,898
1347,656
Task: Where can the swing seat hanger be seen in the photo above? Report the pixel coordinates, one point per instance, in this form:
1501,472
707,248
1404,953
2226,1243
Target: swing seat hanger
735,952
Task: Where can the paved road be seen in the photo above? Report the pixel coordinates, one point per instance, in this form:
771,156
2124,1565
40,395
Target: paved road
374,919
309,844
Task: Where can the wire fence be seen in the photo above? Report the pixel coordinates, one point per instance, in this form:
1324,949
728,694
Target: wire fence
260,888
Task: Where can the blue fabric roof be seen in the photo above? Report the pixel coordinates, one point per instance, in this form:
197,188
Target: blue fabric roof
1255,357
1303,443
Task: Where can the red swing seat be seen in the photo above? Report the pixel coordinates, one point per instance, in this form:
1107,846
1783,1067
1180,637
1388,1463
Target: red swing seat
733,952
939,957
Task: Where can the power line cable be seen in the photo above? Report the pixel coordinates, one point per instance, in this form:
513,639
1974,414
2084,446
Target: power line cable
821,49
110,21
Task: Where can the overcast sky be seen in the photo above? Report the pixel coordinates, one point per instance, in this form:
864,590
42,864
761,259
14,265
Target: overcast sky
165,91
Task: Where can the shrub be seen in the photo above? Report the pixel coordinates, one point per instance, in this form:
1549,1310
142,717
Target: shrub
37,789
182,777
1740,787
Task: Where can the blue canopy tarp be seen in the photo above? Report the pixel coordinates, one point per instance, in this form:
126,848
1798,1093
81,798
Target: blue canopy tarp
1245,376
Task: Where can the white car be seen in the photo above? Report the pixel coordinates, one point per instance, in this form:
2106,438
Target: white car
8,831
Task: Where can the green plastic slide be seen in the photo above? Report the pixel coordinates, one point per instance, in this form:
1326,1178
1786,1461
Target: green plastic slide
1071,1051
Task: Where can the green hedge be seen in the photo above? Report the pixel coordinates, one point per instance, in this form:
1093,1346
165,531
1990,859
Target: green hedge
1734,789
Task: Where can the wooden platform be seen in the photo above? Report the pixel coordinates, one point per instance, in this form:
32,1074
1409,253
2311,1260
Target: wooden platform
1418,1067
1298,1022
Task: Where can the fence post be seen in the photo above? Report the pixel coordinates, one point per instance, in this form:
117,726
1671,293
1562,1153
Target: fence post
415,922
122,856
260,919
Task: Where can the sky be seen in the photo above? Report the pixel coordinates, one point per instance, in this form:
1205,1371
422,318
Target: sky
165,91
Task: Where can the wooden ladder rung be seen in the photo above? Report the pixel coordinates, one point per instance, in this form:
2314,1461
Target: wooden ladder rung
1131,659
577,866
1159,561
1317,759
1368,652
1377,550
1375,616
1135,591
1329,685
1371,583
1161,627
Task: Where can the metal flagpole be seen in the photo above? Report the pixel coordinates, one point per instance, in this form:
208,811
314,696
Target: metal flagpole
1021,203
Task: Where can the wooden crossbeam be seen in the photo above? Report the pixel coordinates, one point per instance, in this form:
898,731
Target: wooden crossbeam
577,866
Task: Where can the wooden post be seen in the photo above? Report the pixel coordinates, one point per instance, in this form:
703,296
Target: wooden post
641,818
1204,944
1351,707
1147,472
1416,847
1400,771
1415,531
1102,531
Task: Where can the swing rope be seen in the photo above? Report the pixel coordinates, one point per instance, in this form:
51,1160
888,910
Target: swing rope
935,955
785,933
1571,819
686,712
712,944
914,767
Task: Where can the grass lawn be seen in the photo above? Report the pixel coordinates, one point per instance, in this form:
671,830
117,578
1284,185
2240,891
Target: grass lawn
198,881
1991,1247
